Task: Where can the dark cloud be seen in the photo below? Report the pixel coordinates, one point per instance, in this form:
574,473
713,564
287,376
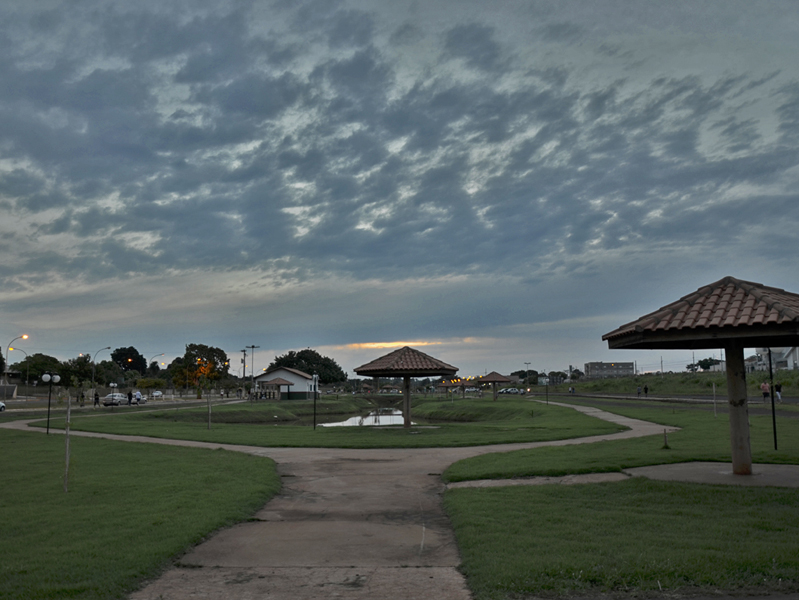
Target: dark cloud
302,144
475,44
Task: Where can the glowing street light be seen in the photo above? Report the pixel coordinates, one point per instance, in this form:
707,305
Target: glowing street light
5,367
27,362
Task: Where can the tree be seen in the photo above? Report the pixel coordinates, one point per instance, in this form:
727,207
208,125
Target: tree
129,359
206,361
576,374
37,364
108,371
706,363
692,368
310,362
78,369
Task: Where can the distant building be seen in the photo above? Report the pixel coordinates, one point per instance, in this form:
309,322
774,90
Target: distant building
603,370
298,385
781,358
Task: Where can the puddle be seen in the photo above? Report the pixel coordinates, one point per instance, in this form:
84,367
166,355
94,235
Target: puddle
386,416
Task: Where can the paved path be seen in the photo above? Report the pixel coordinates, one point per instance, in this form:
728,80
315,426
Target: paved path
347,524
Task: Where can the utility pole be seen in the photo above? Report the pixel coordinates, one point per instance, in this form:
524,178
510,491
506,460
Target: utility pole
252,368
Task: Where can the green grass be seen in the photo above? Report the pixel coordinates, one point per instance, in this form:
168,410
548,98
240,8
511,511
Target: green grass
682,384
271,424
703,437
130,509
634,537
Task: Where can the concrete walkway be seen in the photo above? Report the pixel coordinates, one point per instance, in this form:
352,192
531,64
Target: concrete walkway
347,524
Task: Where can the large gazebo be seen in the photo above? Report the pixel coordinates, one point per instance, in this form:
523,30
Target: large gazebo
406,363
730,314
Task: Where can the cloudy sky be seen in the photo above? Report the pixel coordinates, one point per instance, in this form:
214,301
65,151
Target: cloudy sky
492,183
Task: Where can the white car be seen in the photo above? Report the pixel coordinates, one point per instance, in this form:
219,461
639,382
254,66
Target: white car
157,394
115,399
2,406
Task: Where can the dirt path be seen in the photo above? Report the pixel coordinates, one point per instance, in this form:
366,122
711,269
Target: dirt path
351,524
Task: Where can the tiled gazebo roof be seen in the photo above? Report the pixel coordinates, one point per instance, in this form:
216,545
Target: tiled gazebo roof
405,362
727,309
278,381
494,377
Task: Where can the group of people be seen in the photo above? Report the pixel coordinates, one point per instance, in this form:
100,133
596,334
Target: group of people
766,389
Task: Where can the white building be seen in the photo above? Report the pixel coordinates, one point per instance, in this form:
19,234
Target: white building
289,384
781,358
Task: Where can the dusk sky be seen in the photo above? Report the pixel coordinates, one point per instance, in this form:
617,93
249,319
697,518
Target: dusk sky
491,183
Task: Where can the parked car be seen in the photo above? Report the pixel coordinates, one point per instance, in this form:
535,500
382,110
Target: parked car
157,394
115,399
2,406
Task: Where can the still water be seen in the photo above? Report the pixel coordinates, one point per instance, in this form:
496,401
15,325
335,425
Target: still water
386,416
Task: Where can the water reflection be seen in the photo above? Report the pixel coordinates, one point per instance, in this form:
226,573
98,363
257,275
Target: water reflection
386,416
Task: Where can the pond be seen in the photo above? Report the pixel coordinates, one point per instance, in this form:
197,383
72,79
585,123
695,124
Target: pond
383,416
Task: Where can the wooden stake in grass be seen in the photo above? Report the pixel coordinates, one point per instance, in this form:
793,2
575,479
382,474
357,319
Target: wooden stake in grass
666,440
66,435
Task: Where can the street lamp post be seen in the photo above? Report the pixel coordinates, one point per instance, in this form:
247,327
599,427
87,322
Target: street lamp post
93,365
527,373
50,378
27,363
24,336
252,368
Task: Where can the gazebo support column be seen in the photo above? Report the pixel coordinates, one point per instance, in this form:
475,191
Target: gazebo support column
739,411
406,401
494,387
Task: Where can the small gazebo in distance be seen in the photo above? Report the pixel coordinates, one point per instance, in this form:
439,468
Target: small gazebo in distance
494,378
406,363
730,314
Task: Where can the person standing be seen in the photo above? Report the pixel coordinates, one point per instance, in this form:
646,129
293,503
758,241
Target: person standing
646,391
96,398
130,397
764,387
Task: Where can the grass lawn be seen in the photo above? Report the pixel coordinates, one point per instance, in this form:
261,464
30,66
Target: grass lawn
703,437
633,537
130,509
446,424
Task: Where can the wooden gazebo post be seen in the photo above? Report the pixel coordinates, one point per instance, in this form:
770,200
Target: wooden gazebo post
730,314
406,363
739,410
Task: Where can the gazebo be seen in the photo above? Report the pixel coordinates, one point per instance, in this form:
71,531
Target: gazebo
406,363
495,378
730,314
279,382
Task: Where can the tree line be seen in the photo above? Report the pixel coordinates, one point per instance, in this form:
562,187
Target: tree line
200,366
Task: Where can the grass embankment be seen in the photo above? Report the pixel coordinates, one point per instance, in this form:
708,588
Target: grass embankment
130,509
459,423
633,537
682,384
702,437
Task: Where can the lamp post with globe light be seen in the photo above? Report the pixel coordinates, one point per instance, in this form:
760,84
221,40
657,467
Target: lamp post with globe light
50,378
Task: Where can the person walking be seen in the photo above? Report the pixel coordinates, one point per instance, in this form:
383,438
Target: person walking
778,391
639,391
96,398
646,391
764,387
130,397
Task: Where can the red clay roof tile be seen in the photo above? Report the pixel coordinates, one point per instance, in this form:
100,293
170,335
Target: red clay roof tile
727,303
